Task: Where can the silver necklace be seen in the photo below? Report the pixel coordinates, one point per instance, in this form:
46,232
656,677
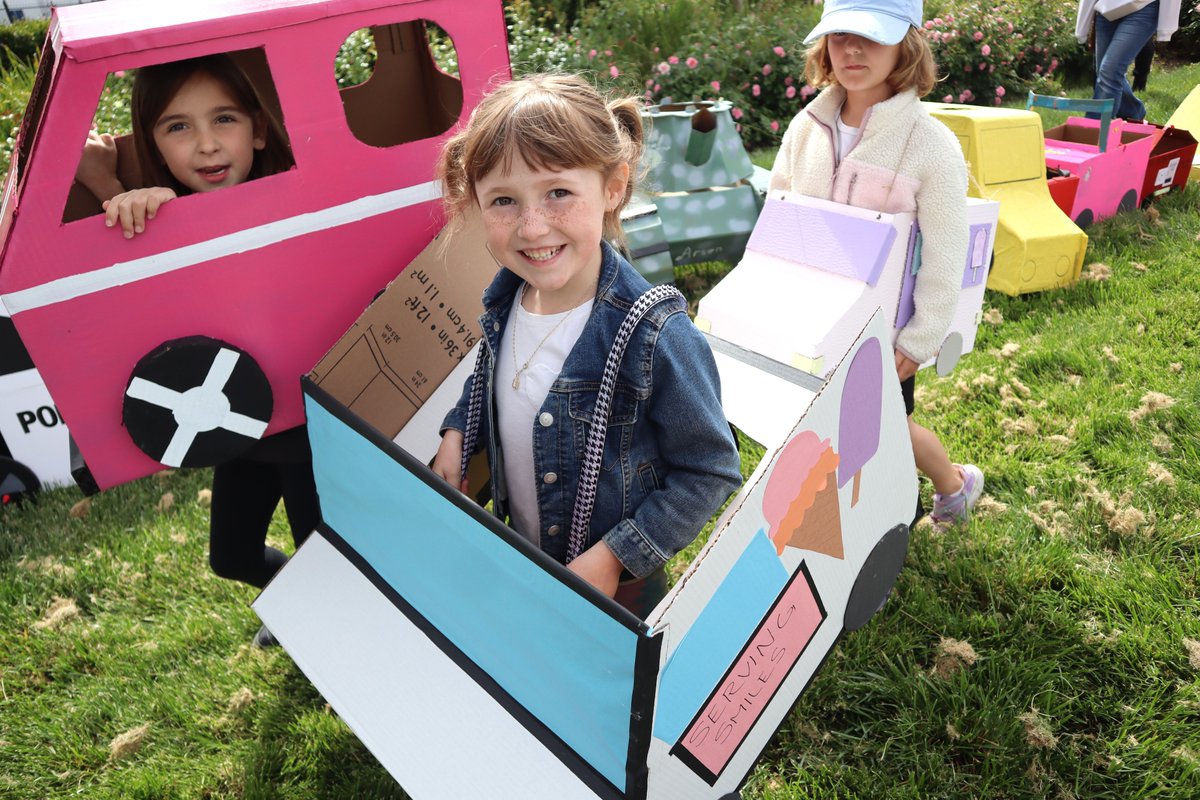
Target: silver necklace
516,381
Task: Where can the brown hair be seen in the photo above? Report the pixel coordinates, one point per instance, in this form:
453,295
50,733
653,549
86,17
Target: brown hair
914,65
550,121
154,88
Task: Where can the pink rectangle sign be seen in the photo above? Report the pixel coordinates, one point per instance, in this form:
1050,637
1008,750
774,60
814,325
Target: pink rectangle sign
714,735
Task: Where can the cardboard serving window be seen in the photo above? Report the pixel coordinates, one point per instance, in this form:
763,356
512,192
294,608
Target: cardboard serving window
411,89
113,116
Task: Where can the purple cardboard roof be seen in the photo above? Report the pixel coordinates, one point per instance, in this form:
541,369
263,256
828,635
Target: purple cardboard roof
833,242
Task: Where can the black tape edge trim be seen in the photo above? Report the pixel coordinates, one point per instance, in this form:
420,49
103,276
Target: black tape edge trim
619,613
641,721
686,757
578,766
79,470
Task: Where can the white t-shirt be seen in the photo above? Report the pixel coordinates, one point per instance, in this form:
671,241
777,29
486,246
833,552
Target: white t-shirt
845,139
517,409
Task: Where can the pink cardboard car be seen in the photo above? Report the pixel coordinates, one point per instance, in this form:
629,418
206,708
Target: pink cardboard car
185,344
1109,159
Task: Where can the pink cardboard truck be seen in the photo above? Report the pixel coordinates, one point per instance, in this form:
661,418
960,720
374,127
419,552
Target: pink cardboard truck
184,345
1110,159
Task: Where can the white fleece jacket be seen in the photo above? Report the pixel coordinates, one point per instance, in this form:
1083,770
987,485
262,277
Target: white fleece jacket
1168,19
903,161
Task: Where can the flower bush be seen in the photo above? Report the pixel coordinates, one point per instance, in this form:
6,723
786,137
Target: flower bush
765,84
986,53
538,42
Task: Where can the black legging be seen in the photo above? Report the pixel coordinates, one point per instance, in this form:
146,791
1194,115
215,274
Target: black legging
245,493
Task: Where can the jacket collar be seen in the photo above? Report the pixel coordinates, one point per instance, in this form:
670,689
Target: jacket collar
499,295
825,107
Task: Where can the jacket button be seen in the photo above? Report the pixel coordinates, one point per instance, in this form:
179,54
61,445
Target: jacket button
496,326
546,418
552,530
550,477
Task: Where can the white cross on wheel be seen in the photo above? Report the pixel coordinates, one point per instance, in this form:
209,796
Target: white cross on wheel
199,409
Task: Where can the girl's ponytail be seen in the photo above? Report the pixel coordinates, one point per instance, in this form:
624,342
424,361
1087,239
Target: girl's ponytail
631,131
451,173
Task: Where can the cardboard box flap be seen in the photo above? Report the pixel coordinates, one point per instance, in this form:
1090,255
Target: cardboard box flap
415,332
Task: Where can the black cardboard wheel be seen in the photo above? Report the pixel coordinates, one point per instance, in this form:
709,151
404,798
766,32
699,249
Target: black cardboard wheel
196,402
876,578
17,482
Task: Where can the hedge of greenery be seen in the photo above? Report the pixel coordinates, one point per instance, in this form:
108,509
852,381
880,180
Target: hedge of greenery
750,52
22,41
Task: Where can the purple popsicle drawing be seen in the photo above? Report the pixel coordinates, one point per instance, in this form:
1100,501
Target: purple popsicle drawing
862,402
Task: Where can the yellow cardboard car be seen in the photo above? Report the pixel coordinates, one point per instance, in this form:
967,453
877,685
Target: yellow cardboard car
1187,117
1037,246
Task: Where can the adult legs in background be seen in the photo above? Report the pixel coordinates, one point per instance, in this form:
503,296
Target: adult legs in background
1141,66
1117,45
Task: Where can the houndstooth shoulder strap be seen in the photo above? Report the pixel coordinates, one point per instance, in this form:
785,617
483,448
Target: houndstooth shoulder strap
474,409
589,473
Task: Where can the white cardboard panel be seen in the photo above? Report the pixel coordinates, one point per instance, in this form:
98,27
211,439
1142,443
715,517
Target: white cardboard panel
420,435
743,389
40,443
429,723
888,497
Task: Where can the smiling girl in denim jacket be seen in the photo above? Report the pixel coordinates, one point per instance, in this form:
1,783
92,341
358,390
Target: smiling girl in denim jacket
571,331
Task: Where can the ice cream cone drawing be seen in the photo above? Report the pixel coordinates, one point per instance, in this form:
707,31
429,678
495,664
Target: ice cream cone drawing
801,498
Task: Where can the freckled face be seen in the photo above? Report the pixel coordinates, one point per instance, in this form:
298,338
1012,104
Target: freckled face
862,65
546,225
207,140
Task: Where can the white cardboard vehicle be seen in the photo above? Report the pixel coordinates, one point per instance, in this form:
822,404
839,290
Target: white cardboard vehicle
828,266
473,665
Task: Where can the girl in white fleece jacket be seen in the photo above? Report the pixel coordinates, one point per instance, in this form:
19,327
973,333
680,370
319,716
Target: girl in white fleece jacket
866,141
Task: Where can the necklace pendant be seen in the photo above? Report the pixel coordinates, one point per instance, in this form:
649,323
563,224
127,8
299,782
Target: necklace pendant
516,384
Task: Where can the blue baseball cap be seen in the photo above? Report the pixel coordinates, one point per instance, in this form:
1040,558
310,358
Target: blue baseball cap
883,21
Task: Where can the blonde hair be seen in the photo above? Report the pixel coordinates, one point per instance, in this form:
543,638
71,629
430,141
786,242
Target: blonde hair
549,121
914,65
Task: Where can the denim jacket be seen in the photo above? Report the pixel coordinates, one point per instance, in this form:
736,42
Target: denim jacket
670,460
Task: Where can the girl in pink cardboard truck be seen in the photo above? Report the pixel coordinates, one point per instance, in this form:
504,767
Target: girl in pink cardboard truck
268,271
199,125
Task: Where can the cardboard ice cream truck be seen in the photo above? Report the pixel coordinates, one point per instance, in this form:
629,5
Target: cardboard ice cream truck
1037,247
473,665
183,346
828,267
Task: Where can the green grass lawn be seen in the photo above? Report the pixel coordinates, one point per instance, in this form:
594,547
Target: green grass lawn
1051,649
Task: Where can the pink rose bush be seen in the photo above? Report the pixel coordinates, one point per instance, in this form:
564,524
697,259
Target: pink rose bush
986,51
764,83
